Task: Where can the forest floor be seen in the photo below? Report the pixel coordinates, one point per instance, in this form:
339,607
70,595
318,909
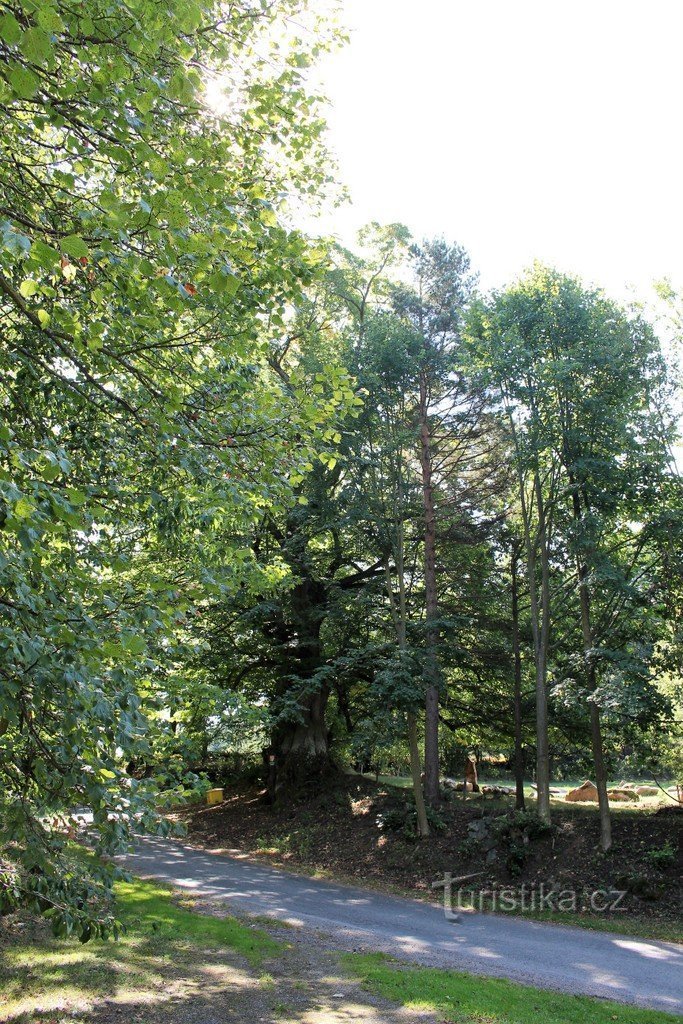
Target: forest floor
359,831
183,961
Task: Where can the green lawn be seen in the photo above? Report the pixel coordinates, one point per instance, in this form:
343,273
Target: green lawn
464,999
147,908
165,946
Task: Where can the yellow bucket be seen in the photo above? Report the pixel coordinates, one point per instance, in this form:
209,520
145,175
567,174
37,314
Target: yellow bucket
214,796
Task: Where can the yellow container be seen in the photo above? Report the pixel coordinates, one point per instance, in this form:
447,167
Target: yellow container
214,796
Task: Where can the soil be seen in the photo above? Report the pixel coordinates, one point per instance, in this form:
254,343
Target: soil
359,831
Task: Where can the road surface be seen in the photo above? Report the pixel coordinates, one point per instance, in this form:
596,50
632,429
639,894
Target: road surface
641,971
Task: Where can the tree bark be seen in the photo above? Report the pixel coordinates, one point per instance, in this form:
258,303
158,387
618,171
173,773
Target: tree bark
536,546
399,616
594,710
542,745
432,674
303,747
519,750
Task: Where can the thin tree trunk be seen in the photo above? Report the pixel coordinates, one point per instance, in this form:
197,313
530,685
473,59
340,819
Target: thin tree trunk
519,751
416,773
540,622
399,616
542,746
432,674
595,725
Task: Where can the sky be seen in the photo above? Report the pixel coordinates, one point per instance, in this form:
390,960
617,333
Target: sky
522,129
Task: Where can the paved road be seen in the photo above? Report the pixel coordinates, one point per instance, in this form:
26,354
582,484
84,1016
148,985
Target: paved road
631,970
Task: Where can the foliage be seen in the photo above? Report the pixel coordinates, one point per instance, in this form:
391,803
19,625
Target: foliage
144,277
402,819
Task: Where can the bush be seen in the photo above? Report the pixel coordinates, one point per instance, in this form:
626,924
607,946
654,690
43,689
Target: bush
402,820
661,857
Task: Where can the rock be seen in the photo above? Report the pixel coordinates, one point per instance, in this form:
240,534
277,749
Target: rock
497,791
492,856
622,795
647,791
585,792
478,828
626,785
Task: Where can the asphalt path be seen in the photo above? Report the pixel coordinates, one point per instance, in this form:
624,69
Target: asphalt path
640,971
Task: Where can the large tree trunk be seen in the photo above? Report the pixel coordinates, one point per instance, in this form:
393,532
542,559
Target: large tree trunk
301,743
432,673
302,748
519,751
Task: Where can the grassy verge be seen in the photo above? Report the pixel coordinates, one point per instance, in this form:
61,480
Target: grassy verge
462,999
637,927
166,947
148,908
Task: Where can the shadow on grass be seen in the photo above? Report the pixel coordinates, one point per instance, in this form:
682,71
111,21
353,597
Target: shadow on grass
167,953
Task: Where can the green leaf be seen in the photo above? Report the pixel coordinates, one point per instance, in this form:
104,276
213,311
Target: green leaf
49,19
75,496
24,83
23,509
10,29
73,245
28,288
224,282
36,46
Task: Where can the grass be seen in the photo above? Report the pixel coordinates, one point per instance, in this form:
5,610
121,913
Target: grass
149,908
463,999
405,782
639,927
167,947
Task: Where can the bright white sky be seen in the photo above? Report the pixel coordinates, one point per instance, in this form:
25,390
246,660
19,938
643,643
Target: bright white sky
521,129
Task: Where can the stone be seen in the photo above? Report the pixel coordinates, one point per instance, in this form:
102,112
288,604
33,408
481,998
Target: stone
586,792
497,791
647,791
622,795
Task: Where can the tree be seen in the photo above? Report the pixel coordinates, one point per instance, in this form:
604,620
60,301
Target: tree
143,275
434,308
583,389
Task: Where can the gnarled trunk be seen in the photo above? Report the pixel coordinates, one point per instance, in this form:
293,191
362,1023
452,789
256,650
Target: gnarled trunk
302,747
301,740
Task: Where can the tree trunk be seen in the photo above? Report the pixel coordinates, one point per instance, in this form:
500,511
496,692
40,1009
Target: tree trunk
537,545
542,746
596,728
302,743
519,751
302,747
432,674
422,823
399,616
